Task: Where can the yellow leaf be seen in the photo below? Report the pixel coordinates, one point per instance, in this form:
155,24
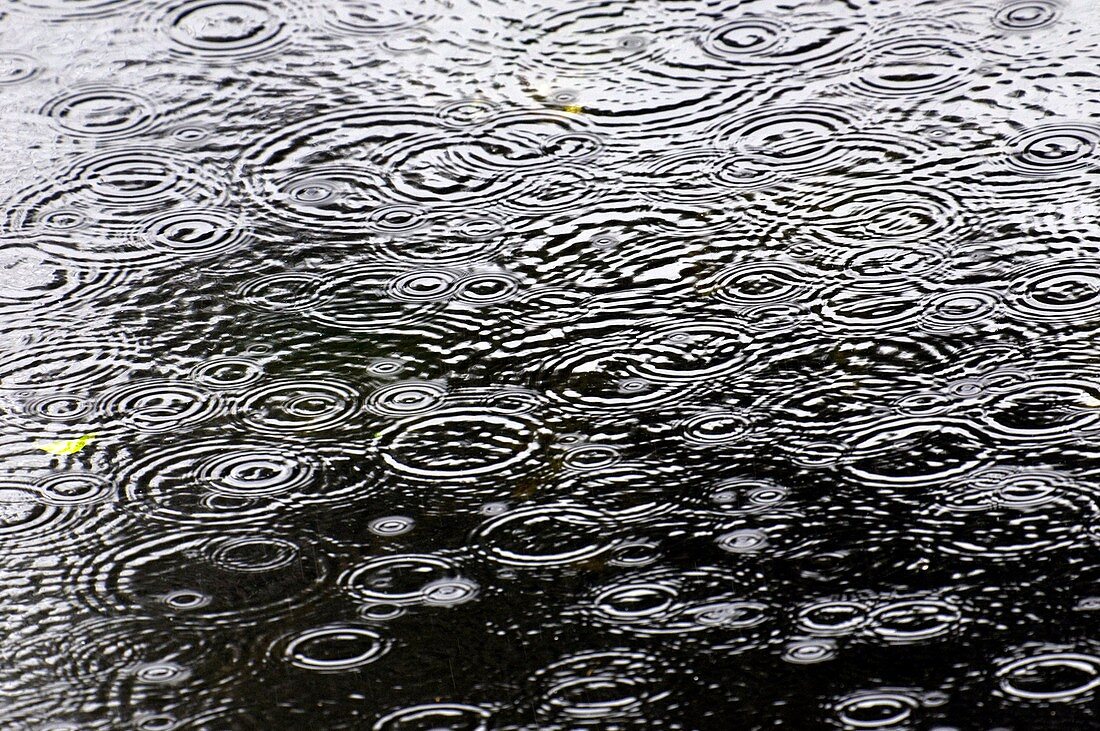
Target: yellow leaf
573,108
66,446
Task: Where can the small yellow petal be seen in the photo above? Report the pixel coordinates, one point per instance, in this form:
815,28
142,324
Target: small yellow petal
573,109
66,446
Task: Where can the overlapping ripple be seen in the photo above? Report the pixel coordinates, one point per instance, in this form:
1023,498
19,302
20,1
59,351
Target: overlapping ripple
488,364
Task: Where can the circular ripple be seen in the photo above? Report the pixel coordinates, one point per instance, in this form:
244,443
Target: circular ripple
600,689
1055,676
33,281
160,672
491,443
391,525
415,159
423,285
398,219
928,403
15,68
121,658
527,139
466,112
799,138
333,649
226,373
694,350
59,407
888,265
815,454
378,17
193,232
228,579
190,134
74,488
589,375
225,30
832,617
385,367
406,398
1053,148
135,178
256,472
159,405
1023,489
915,66
546,535
588,457
758,283
224,482
747,494
450,592
28,523
185,599
876,709
914,620
378,297
65,219
949,311
103,112
479,226
341,198
755,41
1044,409
403,580
916,450
668,603
253,554
456,716
1060,291
110,224
701,175
535,194
894,214
293,405
1025,15
155,722
574,146
380,612
715,427
485,288
807,652
744,37
634,554
1009,522
746,540
283,292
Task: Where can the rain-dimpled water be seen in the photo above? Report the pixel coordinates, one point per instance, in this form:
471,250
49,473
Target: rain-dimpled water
396,365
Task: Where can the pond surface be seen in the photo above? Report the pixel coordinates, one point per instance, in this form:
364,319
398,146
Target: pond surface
663,364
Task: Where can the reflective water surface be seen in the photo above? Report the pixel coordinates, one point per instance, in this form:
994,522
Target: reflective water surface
579,364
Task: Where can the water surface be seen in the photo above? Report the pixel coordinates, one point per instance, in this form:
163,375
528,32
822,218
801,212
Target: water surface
663,364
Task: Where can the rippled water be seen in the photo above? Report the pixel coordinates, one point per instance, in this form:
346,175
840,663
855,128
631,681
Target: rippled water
478,364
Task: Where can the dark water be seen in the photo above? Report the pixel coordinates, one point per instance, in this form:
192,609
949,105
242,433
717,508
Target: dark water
673,364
